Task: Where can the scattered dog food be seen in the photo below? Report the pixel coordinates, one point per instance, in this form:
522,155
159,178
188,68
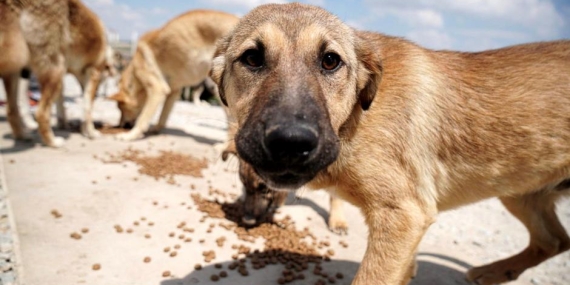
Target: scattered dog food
96,266
75,236
147,259
56,214
166,273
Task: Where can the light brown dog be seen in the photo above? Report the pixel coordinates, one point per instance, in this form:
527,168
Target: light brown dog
401,131
166,60
53,37
260,202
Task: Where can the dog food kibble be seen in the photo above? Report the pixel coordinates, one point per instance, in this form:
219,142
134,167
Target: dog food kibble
173,254
187,240
151,224
84,230
177,246
94,182
198,266
171,234
223,274
118,228
214,277
166,273
147,236
218,265
339,275
129,231
56,214
136,223
146,259
96,266
166,249
75,236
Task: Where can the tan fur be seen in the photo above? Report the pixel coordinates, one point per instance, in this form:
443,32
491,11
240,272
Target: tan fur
444,129
166,60
61,35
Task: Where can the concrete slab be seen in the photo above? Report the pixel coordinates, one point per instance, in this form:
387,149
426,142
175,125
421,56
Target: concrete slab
89,193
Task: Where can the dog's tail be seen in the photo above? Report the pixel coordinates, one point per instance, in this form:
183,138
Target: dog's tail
147,70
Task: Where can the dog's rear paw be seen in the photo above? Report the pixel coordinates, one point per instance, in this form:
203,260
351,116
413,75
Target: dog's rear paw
338,226
488,275
90,132
128,136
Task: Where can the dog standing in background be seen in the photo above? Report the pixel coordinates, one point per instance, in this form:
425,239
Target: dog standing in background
166,60
401,131
54,37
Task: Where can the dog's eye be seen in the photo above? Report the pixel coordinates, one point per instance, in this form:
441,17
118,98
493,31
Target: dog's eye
252,58
330,61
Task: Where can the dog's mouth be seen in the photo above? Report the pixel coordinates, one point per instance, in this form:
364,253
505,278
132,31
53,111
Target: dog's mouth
288,181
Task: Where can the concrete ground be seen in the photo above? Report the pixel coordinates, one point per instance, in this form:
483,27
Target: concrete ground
92,194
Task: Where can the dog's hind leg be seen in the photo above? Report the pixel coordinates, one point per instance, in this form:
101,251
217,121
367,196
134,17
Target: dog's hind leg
547,238
51,84
19,130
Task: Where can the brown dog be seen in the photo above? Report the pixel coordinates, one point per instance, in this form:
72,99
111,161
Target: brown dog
166,60
53,37
401,131
261,202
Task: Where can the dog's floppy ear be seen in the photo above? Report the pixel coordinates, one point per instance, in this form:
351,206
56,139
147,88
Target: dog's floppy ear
218,66
370,69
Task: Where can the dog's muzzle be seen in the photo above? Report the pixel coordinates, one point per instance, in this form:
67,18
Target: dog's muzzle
288,144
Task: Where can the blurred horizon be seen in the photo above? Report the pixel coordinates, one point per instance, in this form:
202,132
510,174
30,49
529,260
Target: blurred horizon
469,25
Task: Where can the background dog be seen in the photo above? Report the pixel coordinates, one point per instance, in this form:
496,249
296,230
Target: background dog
166,60
401,131
54,37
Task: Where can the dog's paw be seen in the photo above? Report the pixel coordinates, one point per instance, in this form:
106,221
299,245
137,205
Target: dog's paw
90,132
128,136
56,142
489,274
338,226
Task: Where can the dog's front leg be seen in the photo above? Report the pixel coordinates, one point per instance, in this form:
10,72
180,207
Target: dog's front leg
395,231
143,121
91,79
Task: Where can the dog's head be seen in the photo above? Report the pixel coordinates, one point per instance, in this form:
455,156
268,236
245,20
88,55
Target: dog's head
292,75
130,98
260,201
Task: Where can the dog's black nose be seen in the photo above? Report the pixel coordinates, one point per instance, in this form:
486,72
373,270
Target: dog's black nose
290,144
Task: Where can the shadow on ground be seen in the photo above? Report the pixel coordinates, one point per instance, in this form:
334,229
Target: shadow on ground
429,273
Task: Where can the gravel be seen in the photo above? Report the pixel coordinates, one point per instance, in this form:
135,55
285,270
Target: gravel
9,266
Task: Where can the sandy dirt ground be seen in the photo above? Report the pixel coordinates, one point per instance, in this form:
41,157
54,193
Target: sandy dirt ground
89,193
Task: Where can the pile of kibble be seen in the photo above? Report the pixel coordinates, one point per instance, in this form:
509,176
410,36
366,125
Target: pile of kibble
165,165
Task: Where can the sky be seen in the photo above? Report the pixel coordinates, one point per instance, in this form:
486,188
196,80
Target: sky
466,25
